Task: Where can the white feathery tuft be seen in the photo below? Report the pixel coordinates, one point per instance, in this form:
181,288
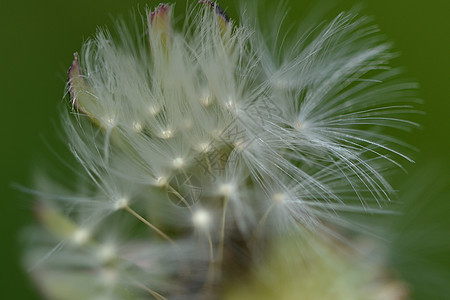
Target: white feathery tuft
213,137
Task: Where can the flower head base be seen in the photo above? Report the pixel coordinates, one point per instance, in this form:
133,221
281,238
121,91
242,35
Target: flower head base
218,145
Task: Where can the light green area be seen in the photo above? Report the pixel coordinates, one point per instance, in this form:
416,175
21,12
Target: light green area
38,39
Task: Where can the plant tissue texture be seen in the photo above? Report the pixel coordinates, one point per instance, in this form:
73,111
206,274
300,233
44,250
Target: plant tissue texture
215,155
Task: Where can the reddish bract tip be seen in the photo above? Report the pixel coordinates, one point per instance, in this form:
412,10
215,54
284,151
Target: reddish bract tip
217,8
73,71
76,83
161,10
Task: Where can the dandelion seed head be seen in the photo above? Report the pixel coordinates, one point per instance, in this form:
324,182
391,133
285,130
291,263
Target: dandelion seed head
227,189
206,99
279,198
161,181
106,253
216,110
137,126
166,133
121,203
201,219
154,110
81,236
203,147
299,125
110,122
230,103
178,163
240,144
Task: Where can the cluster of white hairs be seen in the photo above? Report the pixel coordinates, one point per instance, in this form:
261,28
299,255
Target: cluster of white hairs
201,146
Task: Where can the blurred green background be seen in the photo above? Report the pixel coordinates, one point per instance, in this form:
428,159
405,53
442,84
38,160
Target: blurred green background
38,39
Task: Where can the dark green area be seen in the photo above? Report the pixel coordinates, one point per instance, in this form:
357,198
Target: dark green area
38,39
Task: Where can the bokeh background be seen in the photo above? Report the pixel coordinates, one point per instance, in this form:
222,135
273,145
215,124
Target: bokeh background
38,39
